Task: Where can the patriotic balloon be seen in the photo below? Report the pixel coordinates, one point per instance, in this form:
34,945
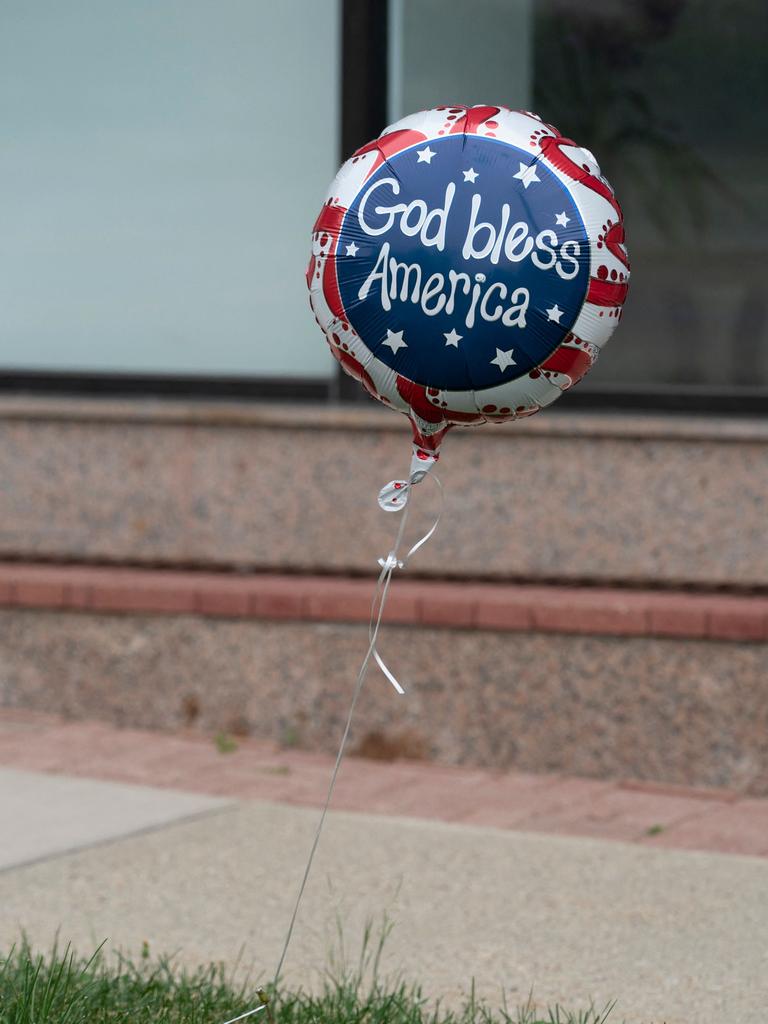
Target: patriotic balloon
468,266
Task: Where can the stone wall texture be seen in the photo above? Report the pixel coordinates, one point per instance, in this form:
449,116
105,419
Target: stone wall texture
563,496
691,712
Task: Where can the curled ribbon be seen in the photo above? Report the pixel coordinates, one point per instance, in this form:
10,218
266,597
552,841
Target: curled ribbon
388,566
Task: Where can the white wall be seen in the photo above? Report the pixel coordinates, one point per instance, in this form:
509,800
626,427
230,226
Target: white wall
161,166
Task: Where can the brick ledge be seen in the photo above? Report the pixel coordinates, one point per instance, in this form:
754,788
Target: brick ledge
492,606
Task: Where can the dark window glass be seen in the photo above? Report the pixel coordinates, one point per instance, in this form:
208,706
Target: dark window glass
671,96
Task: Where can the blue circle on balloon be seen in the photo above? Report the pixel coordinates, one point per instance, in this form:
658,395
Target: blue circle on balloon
462,262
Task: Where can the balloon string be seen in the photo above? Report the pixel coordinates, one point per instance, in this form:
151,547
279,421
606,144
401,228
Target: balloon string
388,566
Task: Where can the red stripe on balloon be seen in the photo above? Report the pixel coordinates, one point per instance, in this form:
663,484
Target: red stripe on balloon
389,145
614,243
551,147
474,117
329,221
417,397
429,442
606,293
573,362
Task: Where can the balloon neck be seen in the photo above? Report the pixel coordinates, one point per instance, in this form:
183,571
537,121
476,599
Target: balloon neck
421,463
427,436
393,497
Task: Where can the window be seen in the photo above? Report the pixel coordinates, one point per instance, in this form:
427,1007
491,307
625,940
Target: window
162,166
670,96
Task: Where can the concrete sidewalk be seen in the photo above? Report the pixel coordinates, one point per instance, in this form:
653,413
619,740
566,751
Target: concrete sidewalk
45,816
676,936
680,937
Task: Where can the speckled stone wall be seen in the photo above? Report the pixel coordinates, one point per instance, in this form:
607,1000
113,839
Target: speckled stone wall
689,712
562,495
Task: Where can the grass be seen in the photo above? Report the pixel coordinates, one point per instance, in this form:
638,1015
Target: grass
62,988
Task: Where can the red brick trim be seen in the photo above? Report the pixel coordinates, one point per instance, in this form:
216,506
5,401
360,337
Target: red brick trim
508,607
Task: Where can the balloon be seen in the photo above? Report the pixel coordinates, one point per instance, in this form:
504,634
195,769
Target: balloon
468,266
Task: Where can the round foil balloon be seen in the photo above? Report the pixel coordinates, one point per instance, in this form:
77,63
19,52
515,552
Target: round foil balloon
468,266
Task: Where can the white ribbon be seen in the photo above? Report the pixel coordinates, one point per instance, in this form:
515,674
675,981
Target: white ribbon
388,566
248,1013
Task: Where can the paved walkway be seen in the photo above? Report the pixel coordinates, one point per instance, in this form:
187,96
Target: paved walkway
653,815
91,850
51,815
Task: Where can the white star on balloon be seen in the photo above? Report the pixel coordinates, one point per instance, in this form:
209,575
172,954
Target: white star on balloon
394,340
452,338
554,313
470,175
425,155
352,249
527,174
503,359
562,219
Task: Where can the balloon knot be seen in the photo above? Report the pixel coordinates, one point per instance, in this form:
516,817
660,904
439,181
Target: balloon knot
391,562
